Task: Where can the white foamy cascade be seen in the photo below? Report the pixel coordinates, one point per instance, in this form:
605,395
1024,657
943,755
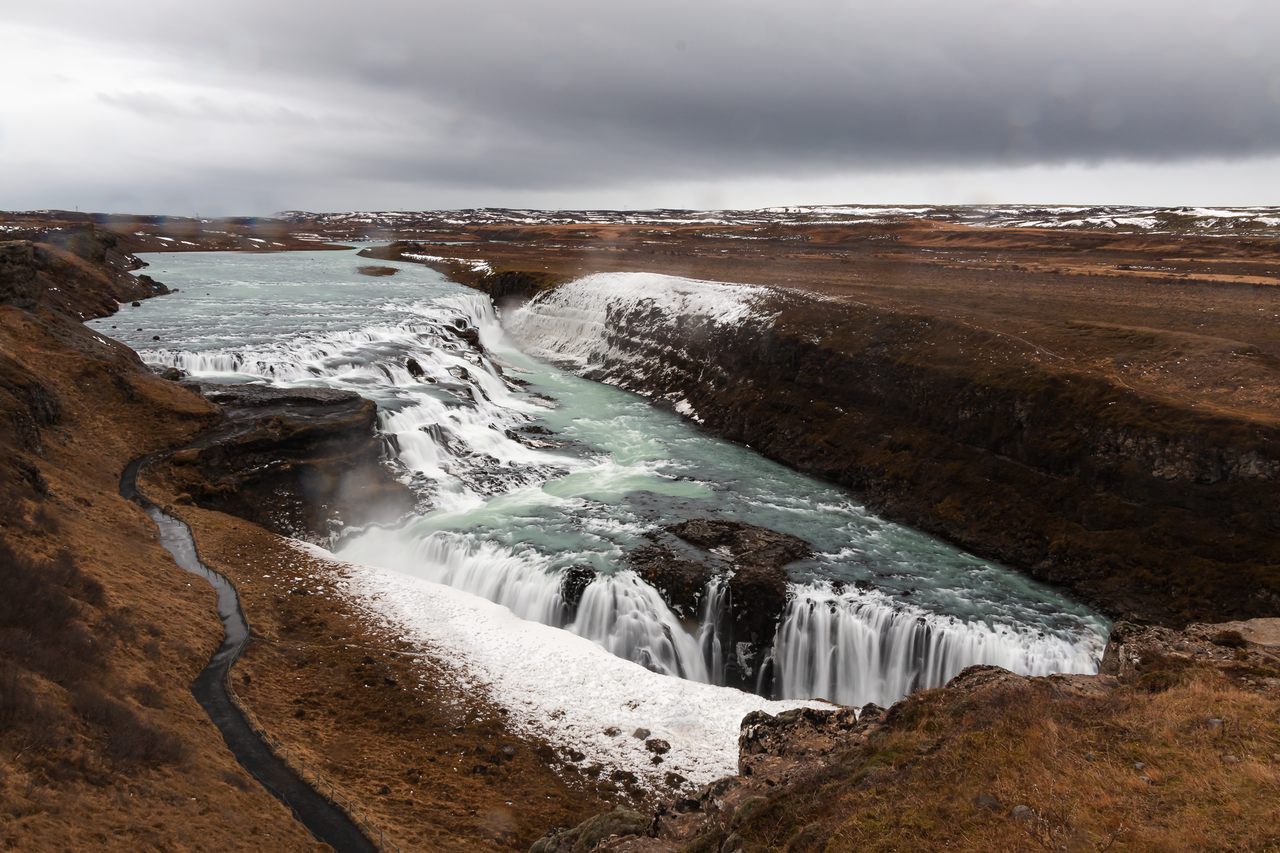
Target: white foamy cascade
855,648
618,612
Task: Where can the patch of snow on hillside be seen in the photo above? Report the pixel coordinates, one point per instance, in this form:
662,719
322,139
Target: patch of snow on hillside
557,686
574,321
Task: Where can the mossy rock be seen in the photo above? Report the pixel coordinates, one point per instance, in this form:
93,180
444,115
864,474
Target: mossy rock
589,833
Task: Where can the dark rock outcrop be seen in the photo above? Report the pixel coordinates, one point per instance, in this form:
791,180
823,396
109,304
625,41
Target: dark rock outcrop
750,560
573,583
18,284
302,462
78,272
1148,511
749,544
682,582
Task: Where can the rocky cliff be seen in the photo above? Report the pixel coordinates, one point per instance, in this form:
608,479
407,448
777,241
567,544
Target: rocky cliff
1149,511
1163,746
301,462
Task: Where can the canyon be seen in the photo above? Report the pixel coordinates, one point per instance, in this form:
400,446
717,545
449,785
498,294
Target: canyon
1037,396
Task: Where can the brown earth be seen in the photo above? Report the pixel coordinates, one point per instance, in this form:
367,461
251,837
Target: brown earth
102,746
1176,746
389,724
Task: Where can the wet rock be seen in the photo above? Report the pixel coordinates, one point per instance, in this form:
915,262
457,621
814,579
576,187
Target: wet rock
415,369
759,595
469,334
302,462
573,582
681,582
641,734
748,543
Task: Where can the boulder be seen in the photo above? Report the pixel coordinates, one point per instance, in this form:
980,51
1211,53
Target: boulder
681,582
586,835
748,543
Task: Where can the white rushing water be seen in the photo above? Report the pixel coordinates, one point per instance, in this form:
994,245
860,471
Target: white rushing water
535,483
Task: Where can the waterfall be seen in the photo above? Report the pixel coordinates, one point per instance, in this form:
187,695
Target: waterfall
510,510
854,648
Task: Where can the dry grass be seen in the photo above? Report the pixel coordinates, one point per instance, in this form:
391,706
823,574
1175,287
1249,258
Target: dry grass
1132,771
102,746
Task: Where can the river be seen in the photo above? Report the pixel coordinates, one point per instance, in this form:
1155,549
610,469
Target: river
519,481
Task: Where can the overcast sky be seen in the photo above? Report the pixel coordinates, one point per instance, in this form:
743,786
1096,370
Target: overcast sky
253,107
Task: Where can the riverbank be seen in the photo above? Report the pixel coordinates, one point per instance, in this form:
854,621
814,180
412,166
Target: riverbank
102,745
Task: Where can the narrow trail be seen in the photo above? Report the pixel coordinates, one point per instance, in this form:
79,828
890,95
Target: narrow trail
328,822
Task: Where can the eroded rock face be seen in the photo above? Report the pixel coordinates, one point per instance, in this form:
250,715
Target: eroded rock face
682,582
1248,652
18,285
750,560
301,462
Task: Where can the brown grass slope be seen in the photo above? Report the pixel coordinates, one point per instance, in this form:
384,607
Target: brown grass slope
101,744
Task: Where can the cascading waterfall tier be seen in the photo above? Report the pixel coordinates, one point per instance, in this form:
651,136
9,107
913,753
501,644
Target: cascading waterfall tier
531,476
853,648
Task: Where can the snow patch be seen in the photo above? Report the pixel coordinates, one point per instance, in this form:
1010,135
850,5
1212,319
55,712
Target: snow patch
575,321
560,687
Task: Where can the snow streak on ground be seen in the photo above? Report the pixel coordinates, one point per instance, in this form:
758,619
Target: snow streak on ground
559,687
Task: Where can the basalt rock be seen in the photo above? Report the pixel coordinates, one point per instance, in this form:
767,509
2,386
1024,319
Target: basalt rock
681,582
573,583
18,284
301,462
748,543
750,559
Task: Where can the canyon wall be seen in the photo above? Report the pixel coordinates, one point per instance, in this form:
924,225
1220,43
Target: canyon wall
1148,511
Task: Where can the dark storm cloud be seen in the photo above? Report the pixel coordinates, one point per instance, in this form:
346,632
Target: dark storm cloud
514,94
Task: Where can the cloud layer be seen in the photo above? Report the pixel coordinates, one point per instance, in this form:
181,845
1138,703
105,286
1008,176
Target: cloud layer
262,106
